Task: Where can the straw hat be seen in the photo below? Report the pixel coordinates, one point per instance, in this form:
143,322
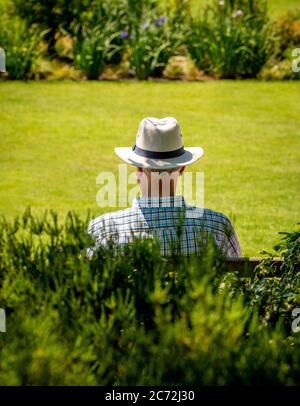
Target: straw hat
159,145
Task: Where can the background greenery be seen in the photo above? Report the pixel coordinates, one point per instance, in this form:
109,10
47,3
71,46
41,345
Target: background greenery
97,39
57,137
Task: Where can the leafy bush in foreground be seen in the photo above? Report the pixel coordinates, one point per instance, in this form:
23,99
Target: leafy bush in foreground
134,317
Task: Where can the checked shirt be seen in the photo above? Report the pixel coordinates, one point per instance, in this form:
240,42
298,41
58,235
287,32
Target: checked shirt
170,220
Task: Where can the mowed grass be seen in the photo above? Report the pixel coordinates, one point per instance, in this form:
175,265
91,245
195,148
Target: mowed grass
275,7
56,137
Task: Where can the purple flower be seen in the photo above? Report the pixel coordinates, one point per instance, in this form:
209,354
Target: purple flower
160,22
237,13
124,34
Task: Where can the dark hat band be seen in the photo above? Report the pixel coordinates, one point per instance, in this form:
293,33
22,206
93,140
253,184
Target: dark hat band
158,155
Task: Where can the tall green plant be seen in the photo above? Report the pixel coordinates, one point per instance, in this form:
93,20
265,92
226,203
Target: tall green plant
52,15
22,45
231,38
154,35
112,17
93,47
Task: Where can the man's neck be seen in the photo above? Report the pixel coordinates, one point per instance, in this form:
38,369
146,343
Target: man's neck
156,194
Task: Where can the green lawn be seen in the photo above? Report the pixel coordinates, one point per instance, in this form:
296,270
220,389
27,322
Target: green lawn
276,7
280,6
56,137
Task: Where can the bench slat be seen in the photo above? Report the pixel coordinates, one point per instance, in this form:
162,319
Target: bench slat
245,266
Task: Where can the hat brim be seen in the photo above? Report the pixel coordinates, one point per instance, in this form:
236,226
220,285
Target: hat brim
190,156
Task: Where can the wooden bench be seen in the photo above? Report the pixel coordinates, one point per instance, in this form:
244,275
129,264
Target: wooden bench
245,266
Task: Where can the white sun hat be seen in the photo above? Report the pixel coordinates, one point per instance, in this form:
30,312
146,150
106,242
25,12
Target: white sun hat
159,145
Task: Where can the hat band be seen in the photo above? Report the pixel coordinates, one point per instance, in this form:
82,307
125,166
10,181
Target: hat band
158,155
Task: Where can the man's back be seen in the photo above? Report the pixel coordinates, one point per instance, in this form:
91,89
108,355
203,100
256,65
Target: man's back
160,157
169,219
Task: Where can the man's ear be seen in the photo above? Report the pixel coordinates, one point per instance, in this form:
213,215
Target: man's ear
138,169
181,170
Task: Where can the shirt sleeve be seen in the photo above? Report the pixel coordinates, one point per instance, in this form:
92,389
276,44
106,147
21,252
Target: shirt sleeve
231,244
95,231
102,231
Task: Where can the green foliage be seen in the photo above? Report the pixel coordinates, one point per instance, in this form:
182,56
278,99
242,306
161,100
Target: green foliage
21,44
275,298
131,316
154,35
51,15
93,47
109,15
280,70
287,31
231,38
98,36
104,29
227,39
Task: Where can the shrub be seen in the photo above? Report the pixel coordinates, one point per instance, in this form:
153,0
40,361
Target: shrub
231,38
181,67
107,12
133,317
153,37
287,31
93,46
22,45
275,298
279,70
51,15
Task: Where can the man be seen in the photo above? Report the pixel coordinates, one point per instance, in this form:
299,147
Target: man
161,158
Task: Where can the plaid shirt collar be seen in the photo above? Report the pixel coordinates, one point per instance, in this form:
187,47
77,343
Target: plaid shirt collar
168,201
